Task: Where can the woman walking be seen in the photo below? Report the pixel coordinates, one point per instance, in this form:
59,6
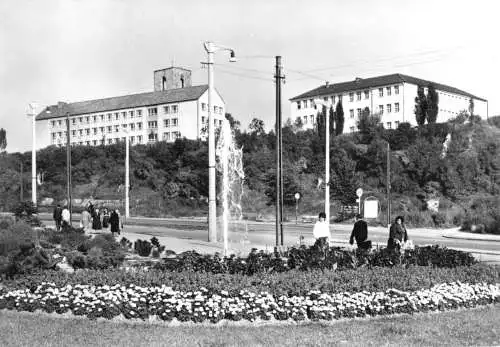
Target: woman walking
397,234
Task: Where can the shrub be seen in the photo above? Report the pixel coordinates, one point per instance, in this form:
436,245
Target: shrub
17,234
143,247
485,211
70,239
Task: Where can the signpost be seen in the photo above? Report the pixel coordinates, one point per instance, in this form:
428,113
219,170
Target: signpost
359,193
297,197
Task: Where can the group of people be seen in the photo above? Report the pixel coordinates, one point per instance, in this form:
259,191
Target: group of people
91,218
397,232
62,217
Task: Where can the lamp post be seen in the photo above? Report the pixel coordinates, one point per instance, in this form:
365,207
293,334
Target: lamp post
127,169
32,112
211,48
327,157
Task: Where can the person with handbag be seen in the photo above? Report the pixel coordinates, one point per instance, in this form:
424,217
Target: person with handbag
397,234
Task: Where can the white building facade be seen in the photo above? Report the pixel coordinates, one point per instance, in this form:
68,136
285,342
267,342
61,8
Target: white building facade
390,96
174,110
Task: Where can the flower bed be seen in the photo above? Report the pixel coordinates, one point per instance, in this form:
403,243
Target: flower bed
203,305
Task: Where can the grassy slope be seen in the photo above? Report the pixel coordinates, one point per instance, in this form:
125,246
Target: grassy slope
458,328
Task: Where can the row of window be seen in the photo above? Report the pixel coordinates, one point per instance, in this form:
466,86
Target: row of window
153,137
216,121
381,110
359,96
388,125
217,109
116,116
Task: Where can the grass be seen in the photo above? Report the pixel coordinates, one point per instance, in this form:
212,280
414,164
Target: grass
455,328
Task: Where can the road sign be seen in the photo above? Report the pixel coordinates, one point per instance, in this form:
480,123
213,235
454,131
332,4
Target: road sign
359,192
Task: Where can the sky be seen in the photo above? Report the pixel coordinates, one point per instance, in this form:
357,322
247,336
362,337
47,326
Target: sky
75,50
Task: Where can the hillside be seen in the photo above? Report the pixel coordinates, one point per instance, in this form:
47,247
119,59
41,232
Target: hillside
171,179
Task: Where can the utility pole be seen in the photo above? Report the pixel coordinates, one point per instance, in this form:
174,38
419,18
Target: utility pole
127,179
68,167
388,185
32,113
279,157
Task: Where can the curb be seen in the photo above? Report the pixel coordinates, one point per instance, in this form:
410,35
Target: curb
469,238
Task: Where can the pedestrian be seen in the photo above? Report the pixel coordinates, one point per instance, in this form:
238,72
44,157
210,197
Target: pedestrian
105,218
114,221
321,230
360,233
96,220
86,221
66,218
397,234
57,215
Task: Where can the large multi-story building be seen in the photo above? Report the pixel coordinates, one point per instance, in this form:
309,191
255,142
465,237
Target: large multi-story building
390,96
174,109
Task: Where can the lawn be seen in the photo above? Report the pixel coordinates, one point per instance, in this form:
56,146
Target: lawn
453,328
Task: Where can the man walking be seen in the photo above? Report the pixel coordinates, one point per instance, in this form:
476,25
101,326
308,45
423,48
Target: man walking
360,233
57,215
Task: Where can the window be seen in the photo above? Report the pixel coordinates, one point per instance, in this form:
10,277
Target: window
124,126
88,143
95,131
94,119
388,91
54,136
73,132
358,96
166,123
87,131
311,118
87,119
152,137
389,108
359,112
132,139
311,103
94,142
59,123
367,94
110,129
110,141
396,90
176,123
305,103
117,116
132,126
123,139
73,121
139,113
166,109
305,119
139,126
102,130
124,115
204,106
109,116
351,97
153,111
381,109
175,108
381,92
202,119
166,136
102,117
389,125
80,132
131,114
80,120
351,113
117,128
396,124
152,124
396,107
333,99
139,138
53,123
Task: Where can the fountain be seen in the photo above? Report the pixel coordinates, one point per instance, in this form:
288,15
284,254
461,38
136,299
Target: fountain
230,165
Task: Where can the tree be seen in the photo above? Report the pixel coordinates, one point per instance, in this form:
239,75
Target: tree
432,105
420,106
3,139
233,123
298,124
257,127
339,118
368,126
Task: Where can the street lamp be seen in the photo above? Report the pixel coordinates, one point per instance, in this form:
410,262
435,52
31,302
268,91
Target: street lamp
327,105
127,169
32,112
211,48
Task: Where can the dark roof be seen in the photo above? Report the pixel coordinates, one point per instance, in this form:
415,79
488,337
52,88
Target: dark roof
123,102
363,83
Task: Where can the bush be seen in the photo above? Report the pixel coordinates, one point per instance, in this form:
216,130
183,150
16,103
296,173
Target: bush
17,234
70,239
483,211
294,282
